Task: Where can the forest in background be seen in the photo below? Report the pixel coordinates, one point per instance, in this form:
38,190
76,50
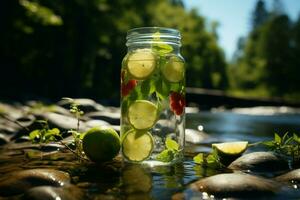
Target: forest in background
52,49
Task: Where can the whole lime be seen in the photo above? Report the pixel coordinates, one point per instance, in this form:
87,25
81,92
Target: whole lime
101,144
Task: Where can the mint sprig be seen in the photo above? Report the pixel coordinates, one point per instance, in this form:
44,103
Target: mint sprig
288,146
171,151
210,160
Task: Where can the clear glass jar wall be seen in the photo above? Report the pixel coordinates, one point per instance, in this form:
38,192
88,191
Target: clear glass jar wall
153,97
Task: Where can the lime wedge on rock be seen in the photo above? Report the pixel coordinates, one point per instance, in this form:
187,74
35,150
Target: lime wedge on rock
141,64
142,114
229,151
101,144
173,70
137,145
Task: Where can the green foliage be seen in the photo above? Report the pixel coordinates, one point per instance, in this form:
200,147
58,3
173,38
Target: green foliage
171,151
267,60
210,160
45,134
74,48
287,146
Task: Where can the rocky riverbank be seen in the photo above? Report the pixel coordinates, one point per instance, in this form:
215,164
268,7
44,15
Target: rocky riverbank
51,171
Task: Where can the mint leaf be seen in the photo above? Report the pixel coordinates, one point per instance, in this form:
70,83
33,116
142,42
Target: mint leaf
162,48
277,138
199,159
35,134
296,138
171,144
165,156
268,143
162,89
159,46
147,88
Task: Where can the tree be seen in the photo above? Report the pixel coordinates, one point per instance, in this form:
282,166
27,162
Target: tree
259,15
74,48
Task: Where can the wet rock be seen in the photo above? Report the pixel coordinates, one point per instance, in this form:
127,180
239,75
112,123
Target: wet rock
63,122
236,185
18,182
21,139
53,193
4,139
49,147
110,117
259,162
94,123
194,136
9,127
38,108
292,176
87,105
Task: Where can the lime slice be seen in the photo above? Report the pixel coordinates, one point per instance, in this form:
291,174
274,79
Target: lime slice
231,148
137,145
173,70
229,151
142,114
141,64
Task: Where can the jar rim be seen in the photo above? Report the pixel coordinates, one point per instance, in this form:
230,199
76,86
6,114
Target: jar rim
153,29
146,35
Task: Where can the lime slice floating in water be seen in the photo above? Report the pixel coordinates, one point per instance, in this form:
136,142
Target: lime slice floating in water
137,145
229,151
142,114
173,70
141,64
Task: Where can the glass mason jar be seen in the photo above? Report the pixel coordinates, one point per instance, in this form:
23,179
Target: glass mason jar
153,97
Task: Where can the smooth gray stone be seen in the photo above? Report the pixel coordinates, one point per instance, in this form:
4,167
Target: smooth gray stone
63,122
110,117
19,182
236,185
290,176
259,162
194,136
4,139
53,193
96,123
87,105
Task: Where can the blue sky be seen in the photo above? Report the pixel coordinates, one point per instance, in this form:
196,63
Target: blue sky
234,17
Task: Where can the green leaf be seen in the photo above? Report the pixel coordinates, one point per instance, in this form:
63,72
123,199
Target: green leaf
162,89
268,143
165,156
159,46
285,136
55,131
176,87
35,134
277,138
41,121
296,138
171,144
212,161
199,159
288,140
162,48
146,88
